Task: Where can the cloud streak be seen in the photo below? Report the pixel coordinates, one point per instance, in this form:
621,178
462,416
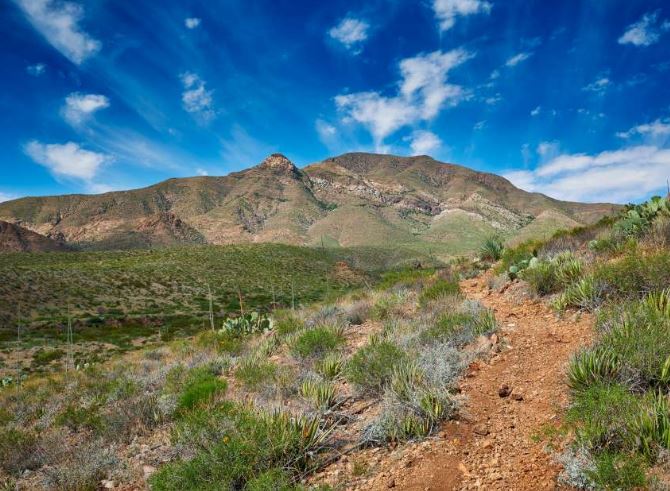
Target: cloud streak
618,176
646,31
58,23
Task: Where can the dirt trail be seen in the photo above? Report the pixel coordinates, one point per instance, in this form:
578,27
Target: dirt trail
492,447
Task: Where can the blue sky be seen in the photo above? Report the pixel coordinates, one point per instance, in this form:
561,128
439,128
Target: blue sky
568,98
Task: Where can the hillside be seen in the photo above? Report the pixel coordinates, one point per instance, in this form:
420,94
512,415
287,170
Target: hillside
355,199
14,238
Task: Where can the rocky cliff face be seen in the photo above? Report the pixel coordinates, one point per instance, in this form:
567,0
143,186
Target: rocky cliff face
353,199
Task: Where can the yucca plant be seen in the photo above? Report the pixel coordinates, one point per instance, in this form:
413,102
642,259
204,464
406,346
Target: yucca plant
592,366
584,294
491,249
435,406
485,322
659,303
406,379
652,425
322,394
331,367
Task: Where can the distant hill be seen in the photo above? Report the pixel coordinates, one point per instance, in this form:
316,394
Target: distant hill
14,238
350,200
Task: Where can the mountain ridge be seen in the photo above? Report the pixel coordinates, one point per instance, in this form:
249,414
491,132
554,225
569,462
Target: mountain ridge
352,199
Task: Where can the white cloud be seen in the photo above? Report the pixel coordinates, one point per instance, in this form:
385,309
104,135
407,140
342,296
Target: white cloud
192,22
67,160
495,74
80,107
493,100
446,11
36,70
326,131
517,58
424,142
479,125
201,172
58,22
350,32
548,149
646,31
599,85
536,111
614,176
655,129
195,98
423,93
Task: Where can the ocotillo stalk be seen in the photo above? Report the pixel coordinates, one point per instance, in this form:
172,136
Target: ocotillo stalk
211,308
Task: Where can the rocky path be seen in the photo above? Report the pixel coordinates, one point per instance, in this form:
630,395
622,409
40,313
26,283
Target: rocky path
516,395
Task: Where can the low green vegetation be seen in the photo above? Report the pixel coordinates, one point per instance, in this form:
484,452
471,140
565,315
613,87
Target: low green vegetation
619,269
256,403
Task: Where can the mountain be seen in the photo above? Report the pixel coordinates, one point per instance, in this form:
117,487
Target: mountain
354,199
14,238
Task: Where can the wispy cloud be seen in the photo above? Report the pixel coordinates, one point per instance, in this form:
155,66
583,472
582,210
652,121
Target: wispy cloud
80,107
58,22
599,86
646,31
517,58
36,70
351,33
67,160
655,129
7,197
423,92
192,22
536,111
479,125
446,11
196,99
619,175
424,142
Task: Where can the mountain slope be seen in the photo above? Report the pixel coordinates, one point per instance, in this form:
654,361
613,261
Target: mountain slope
14,238
353,199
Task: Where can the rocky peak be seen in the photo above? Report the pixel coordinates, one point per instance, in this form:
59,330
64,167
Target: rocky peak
279,163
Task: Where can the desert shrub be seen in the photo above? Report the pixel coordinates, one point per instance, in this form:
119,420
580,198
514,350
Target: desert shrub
371,367
272,480
635,275
199,388
253,372
287,323
77,417
357,313
619,471
46,356
223,342
18,450
83,468
439,289
541,277
638,337
491,249
447,326
404,277
237,445
317,342
604,416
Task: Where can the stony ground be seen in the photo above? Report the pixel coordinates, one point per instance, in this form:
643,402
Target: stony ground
510,401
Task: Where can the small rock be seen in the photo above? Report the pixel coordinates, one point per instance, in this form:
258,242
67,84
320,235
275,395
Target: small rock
481,430
107,484
517,397
148,470
391,484
504,390
488,443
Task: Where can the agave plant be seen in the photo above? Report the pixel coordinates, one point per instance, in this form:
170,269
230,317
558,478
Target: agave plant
659,303
331,367
652,424
405,380
491,249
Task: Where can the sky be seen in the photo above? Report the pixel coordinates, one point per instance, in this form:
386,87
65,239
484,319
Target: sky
570,98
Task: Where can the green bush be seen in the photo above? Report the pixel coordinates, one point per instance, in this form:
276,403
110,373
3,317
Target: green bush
447,326
236,447
439,289
618,471
287,323
635,275
200,387
18,450
317,342
253,372
272,480
371,367
542,277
